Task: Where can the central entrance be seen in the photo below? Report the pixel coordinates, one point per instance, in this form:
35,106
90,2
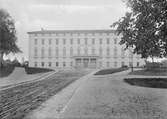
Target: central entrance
85,61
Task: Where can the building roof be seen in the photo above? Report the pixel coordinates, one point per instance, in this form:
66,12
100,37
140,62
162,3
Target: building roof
72,31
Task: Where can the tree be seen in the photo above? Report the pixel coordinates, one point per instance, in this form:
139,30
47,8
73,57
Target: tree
7,35
144,27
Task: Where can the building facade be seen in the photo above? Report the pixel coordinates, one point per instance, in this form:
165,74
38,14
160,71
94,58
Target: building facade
79,49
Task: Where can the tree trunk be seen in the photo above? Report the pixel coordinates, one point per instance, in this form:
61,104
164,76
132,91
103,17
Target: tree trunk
1,59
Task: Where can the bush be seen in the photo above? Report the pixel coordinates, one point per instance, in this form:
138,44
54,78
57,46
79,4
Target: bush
34,70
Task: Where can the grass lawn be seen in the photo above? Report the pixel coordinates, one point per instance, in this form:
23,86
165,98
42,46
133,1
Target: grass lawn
148,73
110,71
17,101
148,82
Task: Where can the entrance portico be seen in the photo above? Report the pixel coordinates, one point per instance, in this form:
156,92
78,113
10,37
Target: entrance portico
86,61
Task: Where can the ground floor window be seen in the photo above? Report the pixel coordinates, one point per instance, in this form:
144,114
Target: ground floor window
57,64
42,64
100,64
137,64
108,64
50,64
115,64
123,64
35,64
130,64
64,64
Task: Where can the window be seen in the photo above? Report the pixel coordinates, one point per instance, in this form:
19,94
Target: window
100,40
108,64
79,51
86,51
42,52
78,41
57,64
35,64
122,53
86,41
50,52
50,34
115,64
122,64
108,41
36,41
100,51
64,64
57,52
64,41
137,64
71,63
100,64
57,41
108,51
130,54
50,64
115,52
50,41
35,52
115,40
130,64
43,41
42,64
71,51
93,51
93,41
71,41
35,34
64,51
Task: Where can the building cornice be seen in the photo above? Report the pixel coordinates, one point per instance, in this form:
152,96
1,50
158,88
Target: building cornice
71,31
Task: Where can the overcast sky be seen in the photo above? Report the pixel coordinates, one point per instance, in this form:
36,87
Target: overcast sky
31,15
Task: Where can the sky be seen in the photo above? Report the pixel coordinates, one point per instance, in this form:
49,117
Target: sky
31,15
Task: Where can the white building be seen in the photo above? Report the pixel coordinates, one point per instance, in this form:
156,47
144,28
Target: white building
79,49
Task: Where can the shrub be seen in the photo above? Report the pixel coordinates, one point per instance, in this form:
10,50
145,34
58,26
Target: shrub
34,70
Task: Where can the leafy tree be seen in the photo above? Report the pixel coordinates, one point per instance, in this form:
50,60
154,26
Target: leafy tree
144,27
7,35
